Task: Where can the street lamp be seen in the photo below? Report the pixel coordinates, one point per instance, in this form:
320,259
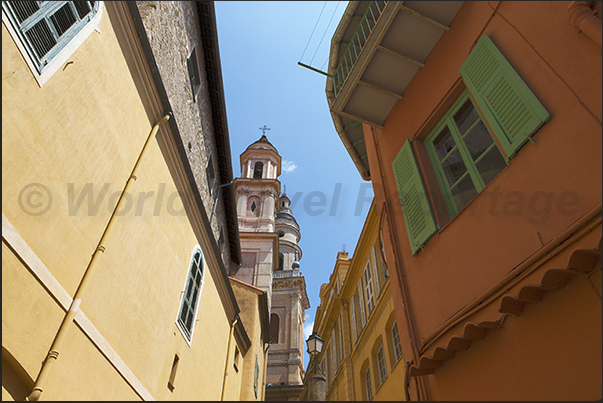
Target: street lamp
315,382
314,344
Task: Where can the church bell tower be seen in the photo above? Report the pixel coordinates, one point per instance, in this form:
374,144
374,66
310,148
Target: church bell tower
269,236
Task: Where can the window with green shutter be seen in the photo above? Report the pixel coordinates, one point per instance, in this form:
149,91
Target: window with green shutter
46,27
464,154
420,223
509,106
468,149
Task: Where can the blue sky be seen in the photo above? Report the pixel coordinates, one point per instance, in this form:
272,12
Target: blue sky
260,45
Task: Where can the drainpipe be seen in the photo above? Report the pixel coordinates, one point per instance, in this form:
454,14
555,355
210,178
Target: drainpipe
232,326
266,347
582,17
53,354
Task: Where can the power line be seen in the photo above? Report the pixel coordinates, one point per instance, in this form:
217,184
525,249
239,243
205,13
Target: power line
315,25
323,35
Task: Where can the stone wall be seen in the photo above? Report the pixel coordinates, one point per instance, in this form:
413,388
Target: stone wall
173,31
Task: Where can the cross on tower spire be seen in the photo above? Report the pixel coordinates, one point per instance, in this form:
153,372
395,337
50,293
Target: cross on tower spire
263,129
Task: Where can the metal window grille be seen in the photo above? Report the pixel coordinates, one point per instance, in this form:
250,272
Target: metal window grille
274,328
190,298
46,27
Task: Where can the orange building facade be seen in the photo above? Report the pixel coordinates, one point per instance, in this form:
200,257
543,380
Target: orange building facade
481,134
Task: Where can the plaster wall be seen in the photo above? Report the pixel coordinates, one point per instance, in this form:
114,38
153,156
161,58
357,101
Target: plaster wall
481,244
347,383
58,135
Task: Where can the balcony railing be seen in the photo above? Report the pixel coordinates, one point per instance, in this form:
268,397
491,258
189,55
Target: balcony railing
286,273
361,35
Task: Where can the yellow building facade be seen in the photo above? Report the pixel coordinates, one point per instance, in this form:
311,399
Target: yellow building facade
361,356
101,302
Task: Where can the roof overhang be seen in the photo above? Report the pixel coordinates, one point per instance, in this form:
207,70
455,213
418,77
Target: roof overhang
369,73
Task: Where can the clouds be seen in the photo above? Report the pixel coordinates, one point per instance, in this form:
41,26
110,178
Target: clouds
308,326
289,166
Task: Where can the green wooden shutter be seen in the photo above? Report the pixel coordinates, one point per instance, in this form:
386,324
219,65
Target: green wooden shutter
510,108
420,223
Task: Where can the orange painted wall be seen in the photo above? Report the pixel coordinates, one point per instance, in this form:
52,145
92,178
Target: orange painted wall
480,245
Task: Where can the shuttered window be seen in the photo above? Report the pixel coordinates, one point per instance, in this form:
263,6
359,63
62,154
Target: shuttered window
339,338
193,73
191,294
381,364
275,324
368,283
464,154
353,314
46,27
333,349
361,309
420,223
396,342
377,278
368,385
509,106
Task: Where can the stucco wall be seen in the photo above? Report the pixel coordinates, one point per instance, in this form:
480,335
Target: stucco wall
481,244
87,125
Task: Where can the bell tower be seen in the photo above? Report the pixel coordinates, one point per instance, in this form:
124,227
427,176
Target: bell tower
269,236
257,193
289,301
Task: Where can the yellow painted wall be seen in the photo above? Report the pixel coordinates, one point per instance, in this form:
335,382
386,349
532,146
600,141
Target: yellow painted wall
348,382
87,124
240,385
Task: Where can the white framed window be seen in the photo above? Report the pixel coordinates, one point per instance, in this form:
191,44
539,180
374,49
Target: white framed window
340,339
187,314
334,360
381,364
193,73
48,32
375,273
368,284
396,342
368,384
361,310
353,314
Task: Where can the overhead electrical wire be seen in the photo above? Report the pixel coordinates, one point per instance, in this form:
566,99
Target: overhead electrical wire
326,29
315,25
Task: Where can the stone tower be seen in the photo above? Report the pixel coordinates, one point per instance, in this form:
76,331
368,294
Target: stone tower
257,192
270,252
